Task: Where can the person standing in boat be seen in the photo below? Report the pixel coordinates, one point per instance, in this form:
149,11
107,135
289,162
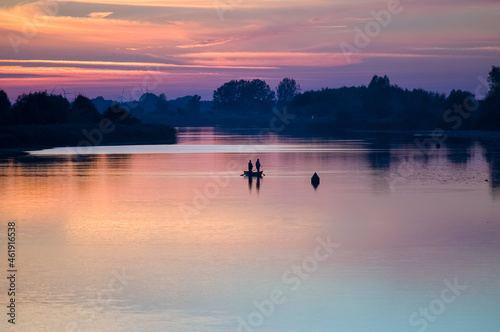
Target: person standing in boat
250,167
257,165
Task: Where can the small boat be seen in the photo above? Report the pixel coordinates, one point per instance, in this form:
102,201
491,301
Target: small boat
257,174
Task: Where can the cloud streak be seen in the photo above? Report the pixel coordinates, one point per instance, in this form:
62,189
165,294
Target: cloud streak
268,39
206,43
100,14
98,65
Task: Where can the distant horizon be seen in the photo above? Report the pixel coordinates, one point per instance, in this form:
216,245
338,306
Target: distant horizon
115,94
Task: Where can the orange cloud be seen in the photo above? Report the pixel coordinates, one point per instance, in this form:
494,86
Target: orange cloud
267,59
32,25
94,65
100,14
206,43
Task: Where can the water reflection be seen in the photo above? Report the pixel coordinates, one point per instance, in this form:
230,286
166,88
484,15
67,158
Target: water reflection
459,149
118,161
203,248
492,155
384,155
84,165
380,156
495,174
251,179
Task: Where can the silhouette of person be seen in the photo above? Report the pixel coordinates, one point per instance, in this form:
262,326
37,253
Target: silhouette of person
257,165
250,167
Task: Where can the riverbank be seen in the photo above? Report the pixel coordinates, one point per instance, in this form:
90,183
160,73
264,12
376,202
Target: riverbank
14,140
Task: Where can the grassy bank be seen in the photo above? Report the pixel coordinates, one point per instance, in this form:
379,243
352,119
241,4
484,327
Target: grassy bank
14,139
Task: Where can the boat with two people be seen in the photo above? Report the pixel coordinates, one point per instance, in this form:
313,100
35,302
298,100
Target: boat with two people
251,172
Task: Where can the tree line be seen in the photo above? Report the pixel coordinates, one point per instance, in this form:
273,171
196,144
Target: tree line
380,105
255,96
44,108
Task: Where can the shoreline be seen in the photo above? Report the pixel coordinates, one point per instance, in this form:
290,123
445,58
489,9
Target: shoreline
19,152
18,140
473,134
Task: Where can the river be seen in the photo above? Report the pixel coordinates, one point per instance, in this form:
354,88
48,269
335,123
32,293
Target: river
172,238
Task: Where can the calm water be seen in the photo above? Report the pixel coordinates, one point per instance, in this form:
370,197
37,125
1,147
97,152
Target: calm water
172,238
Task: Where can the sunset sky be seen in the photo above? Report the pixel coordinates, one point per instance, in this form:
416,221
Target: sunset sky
113,47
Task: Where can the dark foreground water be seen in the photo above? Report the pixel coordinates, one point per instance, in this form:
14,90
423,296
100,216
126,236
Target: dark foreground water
172,238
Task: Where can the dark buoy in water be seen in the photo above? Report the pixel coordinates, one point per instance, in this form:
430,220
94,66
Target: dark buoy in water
315,180
438,146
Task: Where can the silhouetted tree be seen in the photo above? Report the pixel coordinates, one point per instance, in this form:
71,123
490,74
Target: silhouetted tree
120,114
229,95
343,104
458,97
40,107
244,95
101,103
258,94
489,113
5,109
287,89
83,110
457,113
148,102
161,104
377,97
494,81
193,105
379,83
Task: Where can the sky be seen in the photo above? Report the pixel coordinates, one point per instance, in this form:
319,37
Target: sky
120,49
